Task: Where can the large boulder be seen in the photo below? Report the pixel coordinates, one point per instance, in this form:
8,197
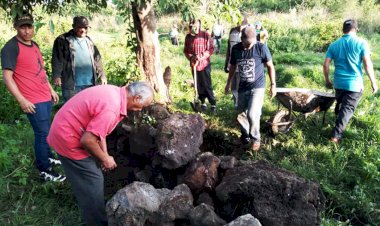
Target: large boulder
204,215
134,204
175,206
178,140
202,173
275,196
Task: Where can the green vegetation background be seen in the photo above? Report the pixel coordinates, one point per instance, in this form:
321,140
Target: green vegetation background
348,173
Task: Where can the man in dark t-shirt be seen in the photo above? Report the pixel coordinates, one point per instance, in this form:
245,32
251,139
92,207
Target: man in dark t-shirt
248,59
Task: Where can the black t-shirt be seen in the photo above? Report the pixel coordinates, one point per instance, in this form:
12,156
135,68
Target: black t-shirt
250,65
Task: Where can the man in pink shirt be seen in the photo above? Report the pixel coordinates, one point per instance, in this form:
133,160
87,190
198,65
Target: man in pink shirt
78,134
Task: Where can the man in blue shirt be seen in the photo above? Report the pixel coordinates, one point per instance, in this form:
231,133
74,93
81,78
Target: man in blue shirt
348,54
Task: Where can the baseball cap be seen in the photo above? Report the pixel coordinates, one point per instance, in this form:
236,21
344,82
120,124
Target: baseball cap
80,21
249,34
23,19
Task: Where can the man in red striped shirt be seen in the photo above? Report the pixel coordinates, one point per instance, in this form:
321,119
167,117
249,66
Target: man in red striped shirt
198,50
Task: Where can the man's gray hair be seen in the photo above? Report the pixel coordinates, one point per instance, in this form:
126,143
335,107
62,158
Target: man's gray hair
142,89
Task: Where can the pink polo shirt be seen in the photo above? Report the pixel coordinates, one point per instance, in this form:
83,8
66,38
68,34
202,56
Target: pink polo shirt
97,110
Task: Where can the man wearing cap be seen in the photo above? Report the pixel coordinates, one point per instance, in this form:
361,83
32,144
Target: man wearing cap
348,54
25,78
248,58
76,61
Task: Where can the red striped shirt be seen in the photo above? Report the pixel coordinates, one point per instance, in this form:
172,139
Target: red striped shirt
200,45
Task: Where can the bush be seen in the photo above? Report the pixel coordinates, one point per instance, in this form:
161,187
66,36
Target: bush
10,110
317,37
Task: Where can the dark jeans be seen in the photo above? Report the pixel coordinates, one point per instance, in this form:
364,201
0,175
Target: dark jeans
86,179
204,85
174,41
40,122
68,93
217,43
347,102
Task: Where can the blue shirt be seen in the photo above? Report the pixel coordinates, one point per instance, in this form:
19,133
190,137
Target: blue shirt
347,54
83,64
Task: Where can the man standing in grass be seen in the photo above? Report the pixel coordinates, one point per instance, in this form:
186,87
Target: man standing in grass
76,62
248,58
348,54
198,50
25,78
78,134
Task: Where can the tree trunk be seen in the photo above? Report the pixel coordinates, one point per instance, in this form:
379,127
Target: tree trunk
148,47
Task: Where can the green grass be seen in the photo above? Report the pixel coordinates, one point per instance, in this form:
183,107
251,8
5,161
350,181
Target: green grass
349,173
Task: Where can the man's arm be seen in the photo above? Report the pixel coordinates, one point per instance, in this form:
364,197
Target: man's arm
209,48
227,60
26,105
99,66
231,74
57,62
326,68
54,94
91,143
368,67
187,49
272,77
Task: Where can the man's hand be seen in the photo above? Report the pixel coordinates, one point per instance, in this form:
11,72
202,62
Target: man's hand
329,84
227,89
108,163
54,96
374,88
58,81
27,106
272,90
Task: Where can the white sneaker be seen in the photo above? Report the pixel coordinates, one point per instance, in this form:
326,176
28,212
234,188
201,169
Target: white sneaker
55,162
50,175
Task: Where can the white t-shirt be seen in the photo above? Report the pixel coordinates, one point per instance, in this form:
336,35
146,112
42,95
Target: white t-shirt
217,30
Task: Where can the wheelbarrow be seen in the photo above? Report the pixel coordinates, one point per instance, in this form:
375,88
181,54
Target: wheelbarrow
304,101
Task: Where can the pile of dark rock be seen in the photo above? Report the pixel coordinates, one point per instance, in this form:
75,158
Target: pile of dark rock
164,179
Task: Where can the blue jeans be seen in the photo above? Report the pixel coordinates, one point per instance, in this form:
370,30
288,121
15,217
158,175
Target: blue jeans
346,103
250,104
40,122
68,93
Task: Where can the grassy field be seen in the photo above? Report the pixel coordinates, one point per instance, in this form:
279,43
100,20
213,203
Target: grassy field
348,173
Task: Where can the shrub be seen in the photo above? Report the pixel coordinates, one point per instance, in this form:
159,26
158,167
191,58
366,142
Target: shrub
10,110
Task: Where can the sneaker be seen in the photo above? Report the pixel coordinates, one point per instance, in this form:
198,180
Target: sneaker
55,162
245,140
203,107
213,108
50,175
